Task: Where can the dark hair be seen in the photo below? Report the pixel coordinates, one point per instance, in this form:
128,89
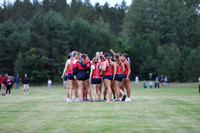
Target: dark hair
95,59
125,55
75,53
83,57
107,55
68,56
117,59
119,54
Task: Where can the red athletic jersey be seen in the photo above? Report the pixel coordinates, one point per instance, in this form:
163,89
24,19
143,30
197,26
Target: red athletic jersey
126,69
99,62
109,70
96,72
119,70
1,78
79,67
88,63
70,67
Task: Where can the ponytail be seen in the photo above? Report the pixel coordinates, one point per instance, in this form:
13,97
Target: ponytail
83,57
117,59
107,56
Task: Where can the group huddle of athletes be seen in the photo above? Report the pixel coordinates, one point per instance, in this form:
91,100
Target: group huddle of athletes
79,71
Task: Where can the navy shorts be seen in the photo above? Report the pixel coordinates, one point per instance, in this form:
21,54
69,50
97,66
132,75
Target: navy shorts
119,77
109,77
66,77
70,76
96,81
126,76
88,75
81,76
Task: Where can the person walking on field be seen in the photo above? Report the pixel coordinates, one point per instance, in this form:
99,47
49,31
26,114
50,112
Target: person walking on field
137,80
49,83
157,82
25,82
17,81
8,85
3,84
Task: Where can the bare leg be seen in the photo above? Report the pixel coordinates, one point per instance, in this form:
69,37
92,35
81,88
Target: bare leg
122,87
75,85
80,89
113,88
87,84
127,86
108,86
67,89
95,91
70,86
99,91
117,88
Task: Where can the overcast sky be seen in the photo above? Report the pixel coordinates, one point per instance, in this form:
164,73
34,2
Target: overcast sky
102,2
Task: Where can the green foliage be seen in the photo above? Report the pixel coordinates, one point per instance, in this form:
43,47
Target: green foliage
192,64
19,64
34,66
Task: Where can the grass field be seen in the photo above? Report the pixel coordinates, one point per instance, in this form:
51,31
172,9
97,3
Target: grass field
175,108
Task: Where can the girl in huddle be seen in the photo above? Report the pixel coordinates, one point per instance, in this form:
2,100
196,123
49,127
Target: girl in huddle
95,78
118,76
107,67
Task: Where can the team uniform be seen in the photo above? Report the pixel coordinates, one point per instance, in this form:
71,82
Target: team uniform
66,73
87,69
96,75
119,74
108,73
126,71
69,73
80,70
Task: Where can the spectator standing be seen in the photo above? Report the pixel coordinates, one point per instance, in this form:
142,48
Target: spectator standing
8,85
25,82
49,83
151,84
157,82
3,84
136,80
165,80
145,84
17,81
1,78
162,80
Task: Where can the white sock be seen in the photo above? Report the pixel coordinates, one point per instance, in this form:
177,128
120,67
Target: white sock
27,93
68,99
24,93
120,98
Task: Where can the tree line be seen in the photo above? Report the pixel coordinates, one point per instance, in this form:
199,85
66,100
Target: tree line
161,37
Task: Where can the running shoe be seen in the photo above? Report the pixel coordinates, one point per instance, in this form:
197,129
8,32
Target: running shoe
91,100
108,101
124,97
